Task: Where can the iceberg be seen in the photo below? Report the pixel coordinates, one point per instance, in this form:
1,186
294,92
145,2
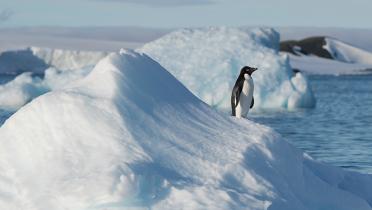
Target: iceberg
40,71
37,60
26,86
327,55
208,60
347,53
129,135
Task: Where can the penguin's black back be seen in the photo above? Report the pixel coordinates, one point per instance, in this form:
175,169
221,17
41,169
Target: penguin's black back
235,95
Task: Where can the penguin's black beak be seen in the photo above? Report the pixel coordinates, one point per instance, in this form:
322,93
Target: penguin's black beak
253,70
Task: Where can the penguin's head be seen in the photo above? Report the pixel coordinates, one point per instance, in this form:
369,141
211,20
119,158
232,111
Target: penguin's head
247,70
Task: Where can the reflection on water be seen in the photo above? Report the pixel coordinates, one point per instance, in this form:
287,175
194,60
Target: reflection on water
339,129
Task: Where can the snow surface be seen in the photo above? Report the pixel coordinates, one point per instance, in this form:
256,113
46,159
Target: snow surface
208,61
130,136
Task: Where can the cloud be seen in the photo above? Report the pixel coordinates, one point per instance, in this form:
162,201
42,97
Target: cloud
166,3
6,15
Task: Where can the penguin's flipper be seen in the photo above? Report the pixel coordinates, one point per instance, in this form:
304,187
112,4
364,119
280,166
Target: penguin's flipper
237,97
237,92
252,103
233,103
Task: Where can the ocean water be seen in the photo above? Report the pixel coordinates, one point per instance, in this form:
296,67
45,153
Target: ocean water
338,131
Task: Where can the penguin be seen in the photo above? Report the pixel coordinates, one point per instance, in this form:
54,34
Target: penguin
242,94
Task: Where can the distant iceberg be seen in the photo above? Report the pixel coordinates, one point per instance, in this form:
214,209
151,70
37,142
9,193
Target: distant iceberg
130,136
37,60
327,55
208,60
26,86
54,68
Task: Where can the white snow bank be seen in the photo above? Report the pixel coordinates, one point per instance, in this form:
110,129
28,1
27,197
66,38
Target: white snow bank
37,60
344,52
208,61
130,136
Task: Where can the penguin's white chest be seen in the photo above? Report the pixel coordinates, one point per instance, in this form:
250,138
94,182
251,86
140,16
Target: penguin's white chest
245,97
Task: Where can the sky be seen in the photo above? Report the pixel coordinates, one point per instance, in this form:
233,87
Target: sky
186,13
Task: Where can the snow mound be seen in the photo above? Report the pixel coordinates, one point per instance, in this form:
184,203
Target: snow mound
130,136
37,60
344,52
208,61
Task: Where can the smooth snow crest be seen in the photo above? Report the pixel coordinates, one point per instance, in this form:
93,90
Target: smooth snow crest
130,136
208,61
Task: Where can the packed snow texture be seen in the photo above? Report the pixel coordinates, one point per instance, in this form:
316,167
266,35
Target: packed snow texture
36,60
130,136
208,61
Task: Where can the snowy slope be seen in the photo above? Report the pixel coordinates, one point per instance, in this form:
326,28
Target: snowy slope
130,136
208,60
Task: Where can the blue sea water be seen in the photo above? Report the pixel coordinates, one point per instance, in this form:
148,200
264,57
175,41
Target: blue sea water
338,131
